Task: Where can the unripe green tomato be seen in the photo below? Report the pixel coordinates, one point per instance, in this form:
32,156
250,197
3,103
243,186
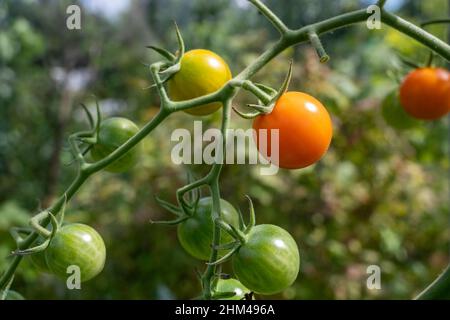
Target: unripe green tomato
232,285
202,72
394,114
12,295
76,245
269,260
113,133
196,233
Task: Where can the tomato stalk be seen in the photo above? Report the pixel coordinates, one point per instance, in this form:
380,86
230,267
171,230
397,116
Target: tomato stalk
381,3
317,44
213,176
438,289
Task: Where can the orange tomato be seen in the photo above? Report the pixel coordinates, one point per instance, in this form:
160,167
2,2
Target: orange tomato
202,72
305,130
425,93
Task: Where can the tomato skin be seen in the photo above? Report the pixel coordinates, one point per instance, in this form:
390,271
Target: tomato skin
305,130
76,244
202,72
269,261
425,93
12,295
394,114
232,285
113,133
196,233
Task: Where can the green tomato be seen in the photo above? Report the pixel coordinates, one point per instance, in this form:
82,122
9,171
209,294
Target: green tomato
113,133
269,260
196,233
79,245
11,295
202,72
232,285
394,114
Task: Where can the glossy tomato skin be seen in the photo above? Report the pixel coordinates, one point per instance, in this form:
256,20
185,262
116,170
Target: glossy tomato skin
232,285
202,72
269,261
113,133
76,244
305,130
425,93
394,114
196,233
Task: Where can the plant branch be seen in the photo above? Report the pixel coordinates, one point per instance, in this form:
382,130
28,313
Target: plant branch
437,21
215,193
381,3
277,23
438,289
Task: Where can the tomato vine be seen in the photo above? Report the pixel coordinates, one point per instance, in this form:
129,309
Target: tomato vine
288,37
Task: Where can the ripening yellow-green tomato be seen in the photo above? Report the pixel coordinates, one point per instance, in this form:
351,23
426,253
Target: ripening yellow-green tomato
202,72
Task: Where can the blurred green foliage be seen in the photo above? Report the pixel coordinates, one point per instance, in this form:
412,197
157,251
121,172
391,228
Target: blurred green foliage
379,196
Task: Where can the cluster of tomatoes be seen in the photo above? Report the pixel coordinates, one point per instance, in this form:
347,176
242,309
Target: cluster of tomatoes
79,245
304,125
268,262
267,259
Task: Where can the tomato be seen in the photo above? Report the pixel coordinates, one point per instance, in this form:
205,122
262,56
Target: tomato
11,295
113,133
76,244
232,285
196,233
305,130
425,93
202,72
269,260
394,114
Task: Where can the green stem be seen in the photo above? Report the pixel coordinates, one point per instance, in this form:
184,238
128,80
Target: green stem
406,27
438,289
381,3
437,21
277,23
214,175
317,44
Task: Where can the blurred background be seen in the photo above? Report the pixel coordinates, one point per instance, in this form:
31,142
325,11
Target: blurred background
379,196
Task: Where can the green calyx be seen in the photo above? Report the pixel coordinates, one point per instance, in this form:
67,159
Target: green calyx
267,96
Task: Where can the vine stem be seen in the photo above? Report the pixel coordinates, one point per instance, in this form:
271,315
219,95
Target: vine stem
207,277
225,94
438,289
381,3
437,21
